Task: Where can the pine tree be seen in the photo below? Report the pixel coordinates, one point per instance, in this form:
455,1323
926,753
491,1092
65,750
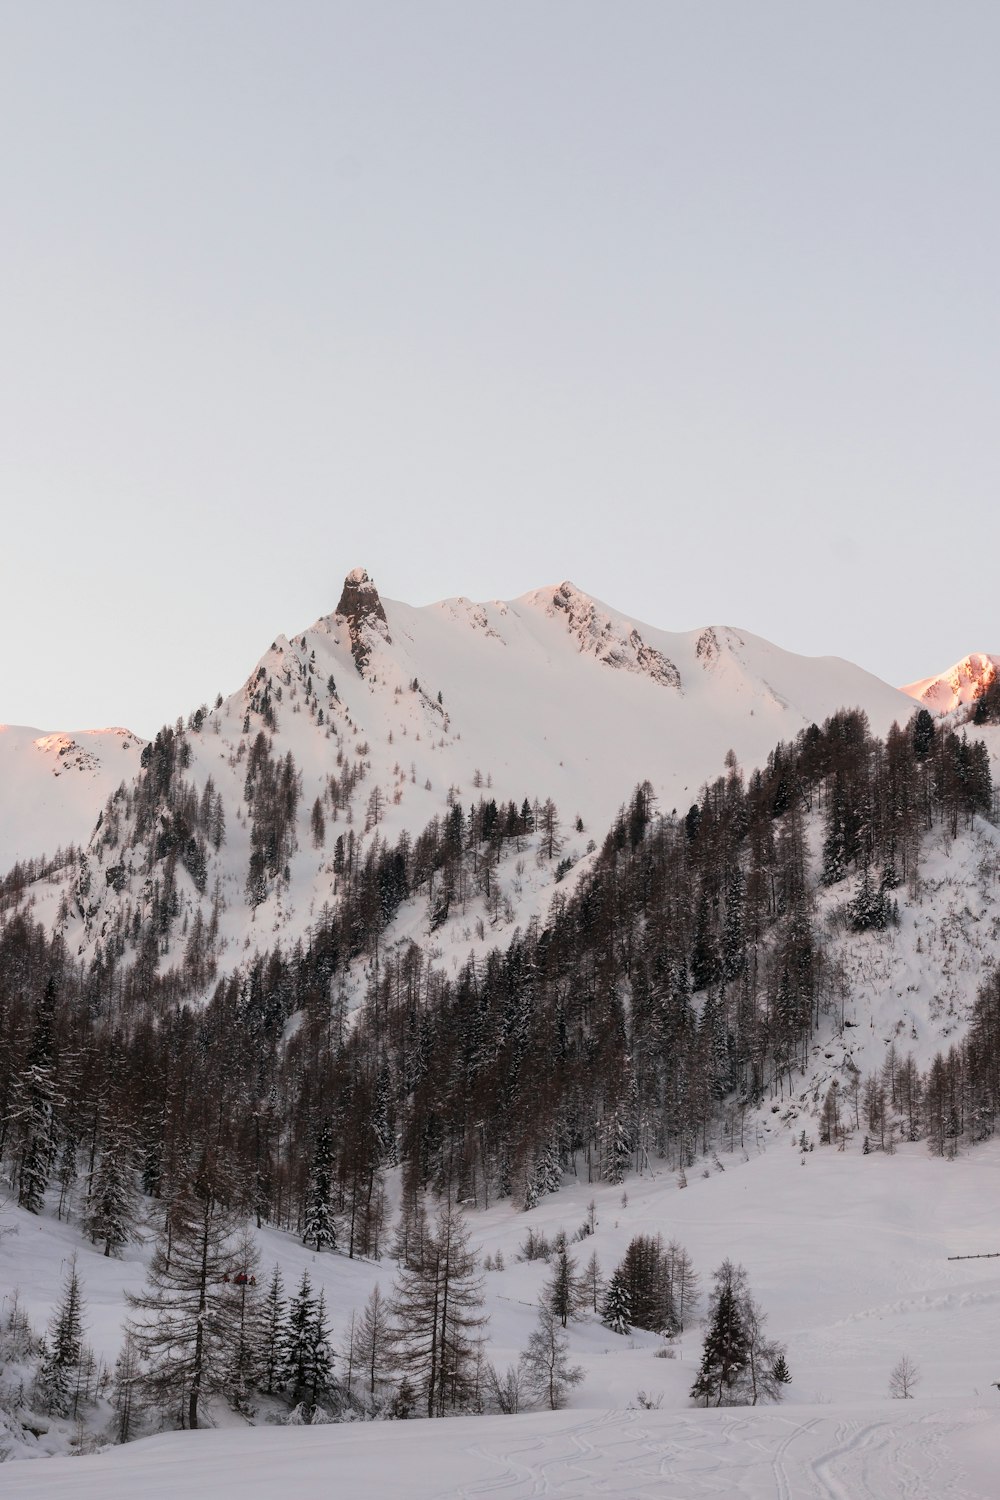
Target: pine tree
63,1348
34,1111
616,1313
319,1224
270,1334
725,1352
564,1293
111,1211
306,1358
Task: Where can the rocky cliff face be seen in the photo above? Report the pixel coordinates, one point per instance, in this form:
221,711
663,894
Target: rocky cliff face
361,607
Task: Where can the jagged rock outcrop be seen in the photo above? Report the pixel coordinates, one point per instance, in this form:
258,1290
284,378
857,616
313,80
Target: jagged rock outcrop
617,644
361,607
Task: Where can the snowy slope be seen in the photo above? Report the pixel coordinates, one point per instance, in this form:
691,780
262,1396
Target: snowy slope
956,687
53,785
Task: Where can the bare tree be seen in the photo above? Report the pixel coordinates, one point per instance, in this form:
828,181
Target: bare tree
903,1377
185,1320
506,1391
436,1313
546,1372
372,1341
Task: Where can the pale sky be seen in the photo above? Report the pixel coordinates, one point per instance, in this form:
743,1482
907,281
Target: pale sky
692,303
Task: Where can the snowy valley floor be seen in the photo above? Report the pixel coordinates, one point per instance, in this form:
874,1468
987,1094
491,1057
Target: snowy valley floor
847,1254
787,1453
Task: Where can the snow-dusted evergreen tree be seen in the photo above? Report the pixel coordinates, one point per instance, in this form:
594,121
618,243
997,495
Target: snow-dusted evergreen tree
319,1228
35,1102
617,1145
306,1358
111,1204
271,1324
725,1353
616,1313
63,1348
547,1373
184,1321
565,1293
740,1366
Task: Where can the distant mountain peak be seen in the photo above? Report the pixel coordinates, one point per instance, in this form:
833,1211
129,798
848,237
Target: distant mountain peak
957,685
362,609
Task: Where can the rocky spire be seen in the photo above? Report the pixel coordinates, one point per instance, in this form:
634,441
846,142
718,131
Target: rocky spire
362,609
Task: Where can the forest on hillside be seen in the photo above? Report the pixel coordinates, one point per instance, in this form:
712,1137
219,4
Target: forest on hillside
674,985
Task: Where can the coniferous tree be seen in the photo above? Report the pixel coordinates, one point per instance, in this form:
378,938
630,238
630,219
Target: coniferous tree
270,1334
306,1357
319,1228
34,1113
593,1282
111,1209
725,1354
244,1370
63,1348
184,1321
436,1313
616,1313
373,1341
547,1373
564,1294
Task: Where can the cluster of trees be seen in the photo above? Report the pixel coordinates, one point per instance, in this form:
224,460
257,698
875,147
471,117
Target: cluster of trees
655,1287
740,1365
271,791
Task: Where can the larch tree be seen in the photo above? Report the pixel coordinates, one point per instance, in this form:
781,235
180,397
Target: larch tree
184,1321
436,1309
547,1373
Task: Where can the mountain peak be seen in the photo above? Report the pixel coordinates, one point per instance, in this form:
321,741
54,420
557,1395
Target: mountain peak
958,685
361,607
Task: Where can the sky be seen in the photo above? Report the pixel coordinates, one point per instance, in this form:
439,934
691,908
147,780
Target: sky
694,304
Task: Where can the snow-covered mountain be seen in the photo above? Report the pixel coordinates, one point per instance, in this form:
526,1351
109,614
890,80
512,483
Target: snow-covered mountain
53,785
392,713
382,717
956,687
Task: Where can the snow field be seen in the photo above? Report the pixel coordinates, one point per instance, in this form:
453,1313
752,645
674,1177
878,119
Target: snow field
846,1253
739,1454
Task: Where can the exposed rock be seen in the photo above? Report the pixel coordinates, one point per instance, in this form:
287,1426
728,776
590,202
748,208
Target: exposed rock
361,607
617,645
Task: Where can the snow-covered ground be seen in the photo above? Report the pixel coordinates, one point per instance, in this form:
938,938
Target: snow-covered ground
848,1255
805,1453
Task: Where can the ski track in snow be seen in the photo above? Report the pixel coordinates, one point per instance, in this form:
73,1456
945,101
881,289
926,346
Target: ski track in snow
758,1456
